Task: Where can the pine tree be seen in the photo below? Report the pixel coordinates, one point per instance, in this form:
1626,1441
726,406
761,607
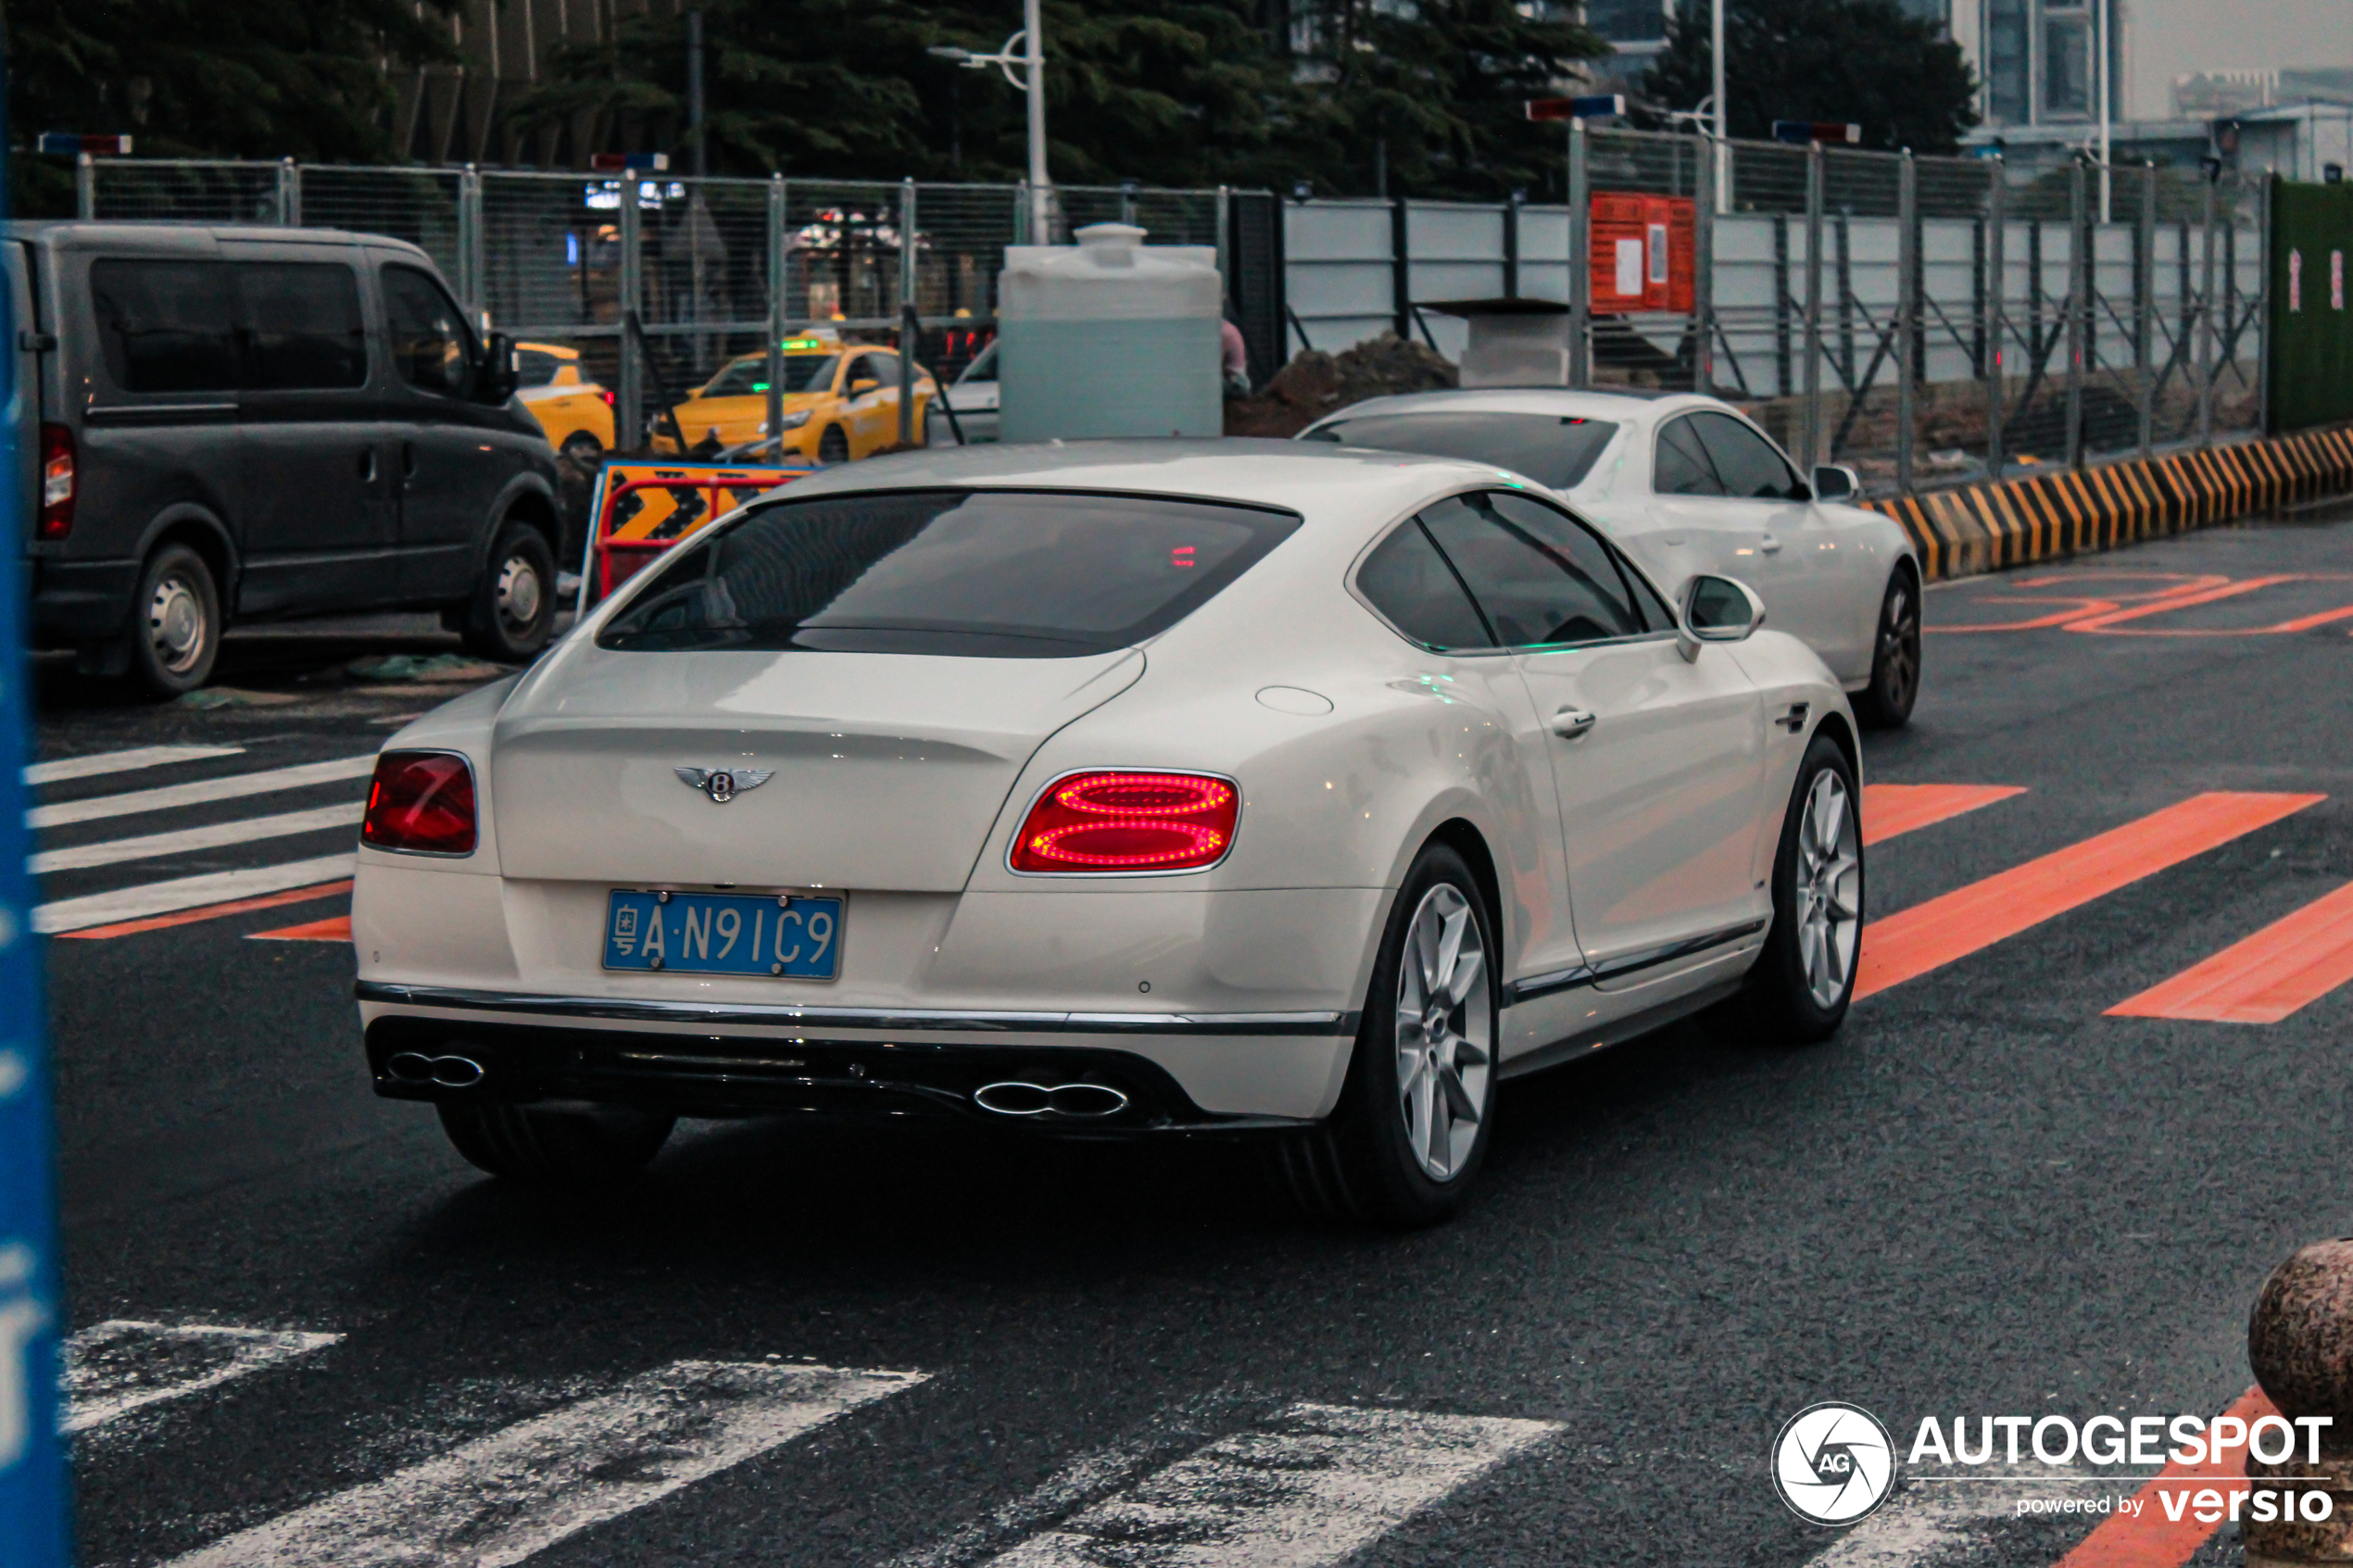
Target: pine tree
1861,62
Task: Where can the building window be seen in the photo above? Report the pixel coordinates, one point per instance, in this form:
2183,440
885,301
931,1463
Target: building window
2010,94
1627,21
2066,61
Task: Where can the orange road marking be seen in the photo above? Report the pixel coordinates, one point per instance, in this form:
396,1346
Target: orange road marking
1889,809
336,928
2263,979
2150,1539
209,911
2177,601
1926,936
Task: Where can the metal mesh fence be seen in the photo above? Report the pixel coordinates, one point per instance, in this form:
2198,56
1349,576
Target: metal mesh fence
1922,319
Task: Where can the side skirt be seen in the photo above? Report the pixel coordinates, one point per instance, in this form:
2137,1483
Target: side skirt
1647,1021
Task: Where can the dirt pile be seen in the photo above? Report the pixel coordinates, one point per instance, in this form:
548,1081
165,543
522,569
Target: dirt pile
1316,383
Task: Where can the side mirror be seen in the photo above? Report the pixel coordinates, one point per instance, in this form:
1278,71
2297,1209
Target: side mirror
1717,609
496,381
861,386
1836,482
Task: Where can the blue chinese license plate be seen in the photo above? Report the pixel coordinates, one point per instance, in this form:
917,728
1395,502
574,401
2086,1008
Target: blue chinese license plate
723,934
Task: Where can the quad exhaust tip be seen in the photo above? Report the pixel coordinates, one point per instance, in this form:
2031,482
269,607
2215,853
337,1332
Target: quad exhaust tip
1073,1101
443,1072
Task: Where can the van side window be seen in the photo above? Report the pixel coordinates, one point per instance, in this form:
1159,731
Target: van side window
304,326
167,326
431,347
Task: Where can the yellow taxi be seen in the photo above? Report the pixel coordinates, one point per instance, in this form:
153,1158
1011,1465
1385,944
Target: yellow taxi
574,411
840,403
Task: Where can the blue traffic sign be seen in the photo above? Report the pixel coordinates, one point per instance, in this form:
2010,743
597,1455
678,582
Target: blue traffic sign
34,1531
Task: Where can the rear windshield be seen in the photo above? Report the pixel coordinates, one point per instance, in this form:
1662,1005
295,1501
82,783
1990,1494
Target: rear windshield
747,378
976,574
1551,449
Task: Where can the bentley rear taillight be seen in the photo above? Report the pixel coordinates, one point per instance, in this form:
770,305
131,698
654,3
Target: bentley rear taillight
421,803
1108,822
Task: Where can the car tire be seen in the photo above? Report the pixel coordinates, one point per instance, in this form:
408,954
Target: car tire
576,1147
583,451
1886,703
834,446
513,607
1407,1141
174,634
1802,981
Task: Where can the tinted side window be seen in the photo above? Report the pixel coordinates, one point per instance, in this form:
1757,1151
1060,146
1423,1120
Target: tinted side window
866,367
1540,580
1682,467
167,326
1744,460
1656,613
1407,580
536,367
303,324
431,347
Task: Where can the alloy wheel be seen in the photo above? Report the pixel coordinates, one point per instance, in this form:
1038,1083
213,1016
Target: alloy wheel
1445,1032
1899,647
176,624
1829,892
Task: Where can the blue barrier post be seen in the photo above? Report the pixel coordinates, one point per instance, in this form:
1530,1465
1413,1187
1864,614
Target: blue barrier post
34,1529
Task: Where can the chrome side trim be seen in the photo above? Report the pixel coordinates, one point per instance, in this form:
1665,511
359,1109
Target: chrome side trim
782,1014
1627,963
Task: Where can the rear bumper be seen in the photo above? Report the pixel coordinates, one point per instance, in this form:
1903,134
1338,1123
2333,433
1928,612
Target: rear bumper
81,601
720,1061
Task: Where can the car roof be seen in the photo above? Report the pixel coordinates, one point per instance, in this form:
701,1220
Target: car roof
1622,407
1298,477
78,235
558,349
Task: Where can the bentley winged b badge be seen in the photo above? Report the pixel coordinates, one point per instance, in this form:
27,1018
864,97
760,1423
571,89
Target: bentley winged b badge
724,784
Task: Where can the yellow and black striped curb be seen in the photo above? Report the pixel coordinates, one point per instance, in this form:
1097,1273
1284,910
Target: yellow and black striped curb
1979,527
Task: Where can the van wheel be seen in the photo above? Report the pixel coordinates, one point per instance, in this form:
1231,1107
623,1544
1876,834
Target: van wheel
1406,1142
524,1145
175,623
834,446
514,604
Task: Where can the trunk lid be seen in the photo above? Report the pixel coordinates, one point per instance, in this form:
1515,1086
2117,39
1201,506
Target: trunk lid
888,769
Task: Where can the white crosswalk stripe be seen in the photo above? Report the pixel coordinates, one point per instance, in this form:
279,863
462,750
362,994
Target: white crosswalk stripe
1312,1488
121,1365
91,767
186,893
244,830
170,894
501,1498
200,792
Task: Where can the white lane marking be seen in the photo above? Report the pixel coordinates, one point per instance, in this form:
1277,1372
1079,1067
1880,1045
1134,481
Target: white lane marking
99,762
185,893
201,792
245,830
1315,1485
115,1367
499,1499
1930,1518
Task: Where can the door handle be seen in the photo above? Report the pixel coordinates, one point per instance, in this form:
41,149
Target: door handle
1571,722
367,465
1770,545
408,459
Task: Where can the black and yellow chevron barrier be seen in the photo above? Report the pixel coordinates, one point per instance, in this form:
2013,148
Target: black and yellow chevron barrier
1985,527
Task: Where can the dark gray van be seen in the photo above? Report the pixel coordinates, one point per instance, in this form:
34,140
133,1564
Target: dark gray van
227,424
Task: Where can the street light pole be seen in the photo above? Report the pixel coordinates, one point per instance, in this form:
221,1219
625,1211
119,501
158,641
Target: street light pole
1041,205
2108,106
1723,113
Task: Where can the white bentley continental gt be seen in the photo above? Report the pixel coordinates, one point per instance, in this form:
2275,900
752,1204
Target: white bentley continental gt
1688,486
1241,788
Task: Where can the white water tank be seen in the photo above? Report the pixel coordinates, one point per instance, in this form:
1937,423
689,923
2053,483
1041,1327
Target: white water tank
1110,337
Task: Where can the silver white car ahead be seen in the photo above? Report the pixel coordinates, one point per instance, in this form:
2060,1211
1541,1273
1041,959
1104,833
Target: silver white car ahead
1247,788
1688,486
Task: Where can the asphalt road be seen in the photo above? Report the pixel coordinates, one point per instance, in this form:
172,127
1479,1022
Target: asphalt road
1984,1197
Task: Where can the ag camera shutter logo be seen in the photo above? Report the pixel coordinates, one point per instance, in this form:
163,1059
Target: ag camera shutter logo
1834,1463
